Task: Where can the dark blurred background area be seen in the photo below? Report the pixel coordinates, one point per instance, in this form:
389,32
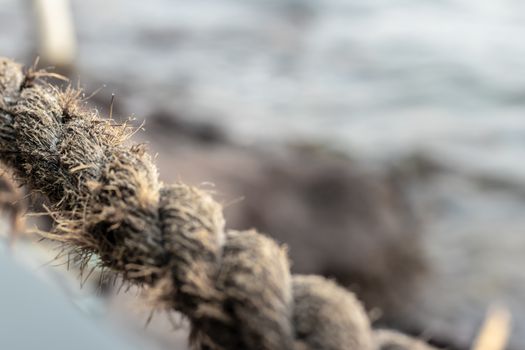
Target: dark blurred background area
382,142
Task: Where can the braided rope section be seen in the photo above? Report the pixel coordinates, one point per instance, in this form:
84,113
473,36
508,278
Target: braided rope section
234,287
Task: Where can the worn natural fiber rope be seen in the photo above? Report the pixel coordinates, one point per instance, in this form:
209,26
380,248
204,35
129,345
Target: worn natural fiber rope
234,287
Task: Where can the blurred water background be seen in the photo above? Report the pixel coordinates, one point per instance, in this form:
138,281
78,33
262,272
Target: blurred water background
364,75
388,82
377,78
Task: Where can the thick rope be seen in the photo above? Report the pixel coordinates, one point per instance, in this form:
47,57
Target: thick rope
234,287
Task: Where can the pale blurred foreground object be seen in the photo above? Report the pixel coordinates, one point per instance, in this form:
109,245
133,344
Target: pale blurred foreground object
234,287
32,314
495,332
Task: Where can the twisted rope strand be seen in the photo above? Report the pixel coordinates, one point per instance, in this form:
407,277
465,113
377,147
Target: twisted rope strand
234,287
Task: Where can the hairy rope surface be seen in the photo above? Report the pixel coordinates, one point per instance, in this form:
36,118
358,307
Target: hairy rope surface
234,287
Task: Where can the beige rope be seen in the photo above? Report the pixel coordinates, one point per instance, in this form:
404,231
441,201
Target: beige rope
234,287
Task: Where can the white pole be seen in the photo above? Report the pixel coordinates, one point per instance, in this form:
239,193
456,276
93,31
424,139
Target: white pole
57,43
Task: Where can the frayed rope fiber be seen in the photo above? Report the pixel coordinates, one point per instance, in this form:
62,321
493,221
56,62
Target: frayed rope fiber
234,287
